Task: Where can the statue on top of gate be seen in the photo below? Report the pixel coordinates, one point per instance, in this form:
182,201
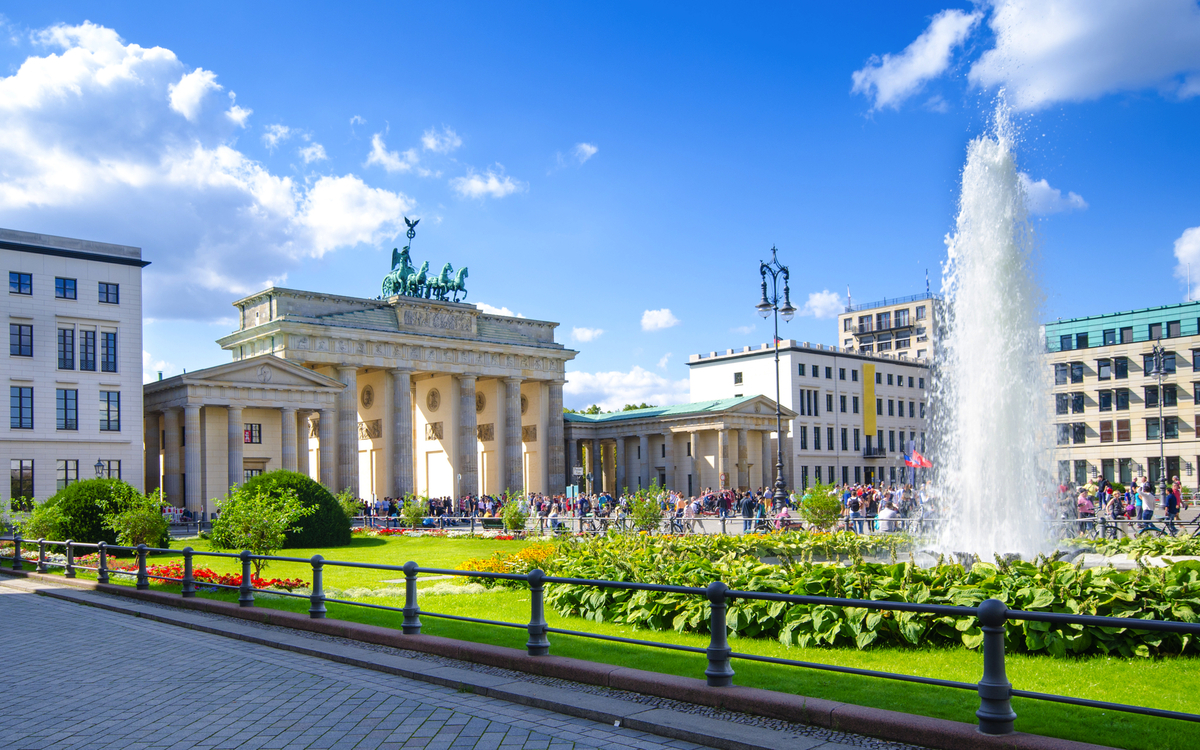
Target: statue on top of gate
406,280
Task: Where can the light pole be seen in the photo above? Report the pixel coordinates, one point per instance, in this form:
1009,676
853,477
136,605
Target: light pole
99,467
768,305
1159,373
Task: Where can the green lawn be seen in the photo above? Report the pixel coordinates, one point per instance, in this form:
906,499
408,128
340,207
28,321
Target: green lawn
1172,684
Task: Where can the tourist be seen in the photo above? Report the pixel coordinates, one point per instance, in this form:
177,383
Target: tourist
1149,502
886,517
1171,509
854,504
747,508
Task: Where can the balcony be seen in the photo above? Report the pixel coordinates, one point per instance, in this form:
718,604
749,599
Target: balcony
871,329
874,452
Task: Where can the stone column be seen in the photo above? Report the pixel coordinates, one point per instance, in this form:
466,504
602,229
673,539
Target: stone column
327,447
287,437
723,458
695,445
347,440
192,459
573,460
236,440
513,471
402,433
669,441
768,459
620,450
743,458
468,438
789,460
644,447
303,430
171,482
151,463
595,466
554,440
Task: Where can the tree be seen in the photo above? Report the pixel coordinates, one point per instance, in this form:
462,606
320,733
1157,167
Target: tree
257,519
643,405
141,522
821,507
593,409
646,511
414,510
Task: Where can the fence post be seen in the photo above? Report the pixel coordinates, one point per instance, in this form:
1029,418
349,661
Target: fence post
70,572
246,590
189,583
16,563
316,609
538,644
719,673
143,582
412,621
102,567
472,525
995,707
41,566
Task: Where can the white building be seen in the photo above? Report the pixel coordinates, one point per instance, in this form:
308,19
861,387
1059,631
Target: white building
857,414
74,362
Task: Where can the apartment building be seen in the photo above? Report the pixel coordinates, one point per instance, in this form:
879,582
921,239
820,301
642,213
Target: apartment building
857,413
905,326
74,362
1106,405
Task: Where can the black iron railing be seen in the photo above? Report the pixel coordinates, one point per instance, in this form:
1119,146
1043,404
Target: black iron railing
995,712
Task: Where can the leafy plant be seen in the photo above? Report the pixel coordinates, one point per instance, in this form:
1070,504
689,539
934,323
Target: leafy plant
348,503
514,516
536,555
414,510
45,522
258,519
141,522
84,505
821,507
327,524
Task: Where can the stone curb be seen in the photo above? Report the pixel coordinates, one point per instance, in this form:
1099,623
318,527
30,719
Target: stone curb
939,734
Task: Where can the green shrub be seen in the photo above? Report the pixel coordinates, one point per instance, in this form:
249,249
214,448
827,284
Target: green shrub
349,504
327,524
45,522
84,505
141,523
412,513
259,518
821,507
514,517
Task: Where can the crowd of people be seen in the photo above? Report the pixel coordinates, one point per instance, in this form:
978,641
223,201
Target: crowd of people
1137,501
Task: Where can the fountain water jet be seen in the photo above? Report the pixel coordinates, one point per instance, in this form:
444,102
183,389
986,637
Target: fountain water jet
990,387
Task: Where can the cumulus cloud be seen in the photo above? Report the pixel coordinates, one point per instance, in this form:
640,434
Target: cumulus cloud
493,183
585,335
664,360
583,151
151,367
1187,253
313,152
492,310
440,143
392,161
1043,200
889,80
117,142
612,390
657,320
823,304
274,135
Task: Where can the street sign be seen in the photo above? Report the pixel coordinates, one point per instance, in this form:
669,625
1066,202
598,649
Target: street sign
577,471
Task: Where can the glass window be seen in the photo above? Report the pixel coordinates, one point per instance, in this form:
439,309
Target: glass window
1104,369
1151,396
1168,361
922,410
64,288
66,348
1173,329
921,383
1110,337
1121,368
816,438
68,472
1081,472
248,473
892,441
111,470
1155,331
854,376
1125,470
841,373
66,406
21,470
890,379
891,408
1061,403
87,350
109,293
829,373
20,340
1076,372
1171,427
803,437
1064,434
901,318
845,442
1081,341
1078,433
879,378
20,407
1152,428
1106,432
857,439
920,312
842,404
1105,400
1122,399
1127,335
110,411
108,351
1076,403
829,442
912,409
1064,342
20,283
801,369
1169,395
737,378
883,321
910,381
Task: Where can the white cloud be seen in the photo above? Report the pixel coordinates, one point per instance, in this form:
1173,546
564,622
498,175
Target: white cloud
92,144
892,79
1187,253
274,135
392,161
823,304
743,330
583,151
1074,50
357,120
313,152
657,320
586,334
491,310
612,390
664,360
238,115
1043,200
151,368
492,183
440,143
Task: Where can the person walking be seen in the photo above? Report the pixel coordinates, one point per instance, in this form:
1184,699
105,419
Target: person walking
748,507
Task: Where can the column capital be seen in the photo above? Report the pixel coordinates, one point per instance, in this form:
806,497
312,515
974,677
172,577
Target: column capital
514,381
401,371
343,367
465,376
286,409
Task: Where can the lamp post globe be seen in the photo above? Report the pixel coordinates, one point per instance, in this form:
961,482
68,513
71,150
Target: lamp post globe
99,467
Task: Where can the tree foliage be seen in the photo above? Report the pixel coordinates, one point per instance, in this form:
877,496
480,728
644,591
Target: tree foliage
326,526
141,522
821,507
258,519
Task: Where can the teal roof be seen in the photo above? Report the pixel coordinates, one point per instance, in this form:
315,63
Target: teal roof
679,410
1187,314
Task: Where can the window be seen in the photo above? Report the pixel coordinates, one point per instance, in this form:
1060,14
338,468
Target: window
20,407
1081,472
857,475
252,433
910,381
1061,373
1155,333
829,442
21,470
920,312
1121,368
912,409
883,321
845,442
1107,469
1077,403
108,351
1076,372
1151,396
1064,342
890,379
1106,432
87,350
818,472
68,471
842,403
66,348
879,406
111,470
828,402
854,376
1064,434
817,441
1173,329
803,437
1127,335
1104,369
1169,395
1110,337
892,441
1125,470
1152,428
901,318
891,408
66,407
20,283
857,440
1078,433
1061,403
110,411
64,288
248,473
841,373
1122,399
922,412
737,378
1105,400
847,324
854,404
801,369
664,450
1171,427
689,446
921,383
864,323
20,340
108,293
879,378
829,373
1168,361
1081,341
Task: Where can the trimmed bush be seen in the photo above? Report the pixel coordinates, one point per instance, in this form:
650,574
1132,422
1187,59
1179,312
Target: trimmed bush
83,506
326,526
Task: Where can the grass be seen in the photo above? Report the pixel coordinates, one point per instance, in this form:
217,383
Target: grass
1172,684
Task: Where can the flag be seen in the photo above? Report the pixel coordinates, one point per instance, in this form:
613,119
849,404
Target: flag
910,461
921,461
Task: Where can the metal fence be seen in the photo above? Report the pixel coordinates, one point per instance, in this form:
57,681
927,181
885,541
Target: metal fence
995,712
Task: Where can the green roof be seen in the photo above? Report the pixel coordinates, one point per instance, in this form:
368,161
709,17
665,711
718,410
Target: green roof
698,407
1187,314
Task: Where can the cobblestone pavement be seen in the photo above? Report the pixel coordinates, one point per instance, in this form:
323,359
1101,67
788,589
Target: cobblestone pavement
78,677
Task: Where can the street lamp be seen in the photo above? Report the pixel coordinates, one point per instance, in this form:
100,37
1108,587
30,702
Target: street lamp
768,306
1158,372
99,467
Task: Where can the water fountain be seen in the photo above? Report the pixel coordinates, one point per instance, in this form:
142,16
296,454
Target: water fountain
990,397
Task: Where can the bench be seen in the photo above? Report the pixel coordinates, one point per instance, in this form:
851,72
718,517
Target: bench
492,523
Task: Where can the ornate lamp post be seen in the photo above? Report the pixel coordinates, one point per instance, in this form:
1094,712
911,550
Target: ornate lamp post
99,467
768,306
1159,373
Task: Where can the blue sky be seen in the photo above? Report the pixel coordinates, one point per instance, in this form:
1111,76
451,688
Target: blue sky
593,163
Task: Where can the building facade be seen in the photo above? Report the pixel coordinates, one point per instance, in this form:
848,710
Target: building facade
857,414
74,362
1106,406
904,327
382,397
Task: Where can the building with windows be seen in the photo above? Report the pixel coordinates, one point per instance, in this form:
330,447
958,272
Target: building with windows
1106,405
856,413
74,362
905,327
